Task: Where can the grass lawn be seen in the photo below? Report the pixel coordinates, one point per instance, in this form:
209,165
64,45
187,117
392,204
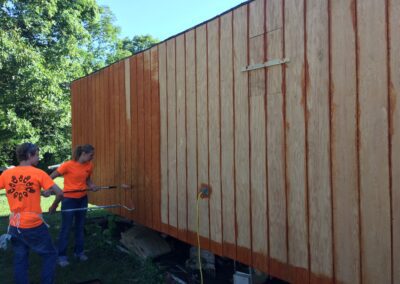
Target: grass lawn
105,263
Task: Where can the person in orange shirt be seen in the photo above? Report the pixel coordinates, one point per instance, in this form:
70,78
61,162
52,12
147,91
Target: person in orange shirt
28,231
76,174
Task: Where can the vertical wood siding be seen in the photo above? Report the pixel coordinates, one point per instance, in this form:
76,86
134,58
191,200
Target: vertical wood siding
301,158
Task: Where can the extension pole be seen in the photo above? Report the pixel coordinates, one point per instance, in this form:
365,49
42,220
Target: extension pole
98,207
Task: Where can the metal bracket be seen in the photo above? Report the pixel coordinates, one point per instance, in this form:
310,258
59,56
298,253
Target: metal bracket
269,63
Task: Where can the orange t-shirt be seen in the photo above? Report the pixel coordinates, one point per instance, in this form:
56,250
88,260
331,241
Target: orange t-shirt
23,185
75,177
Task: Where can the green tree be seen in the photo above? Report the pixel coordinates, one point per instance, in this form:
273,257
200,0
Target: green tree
44,45
138,43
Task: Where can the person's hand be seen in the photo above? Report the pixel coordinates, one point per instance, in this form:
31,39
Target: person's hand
52,209
93,188
45,193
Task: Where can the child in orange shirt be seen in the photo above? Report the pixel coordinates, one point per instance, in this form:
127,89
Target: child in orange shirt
23,184
76,174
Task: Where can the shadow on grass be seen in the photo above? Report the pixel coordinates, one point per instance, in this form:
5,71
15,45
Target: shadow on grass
105,263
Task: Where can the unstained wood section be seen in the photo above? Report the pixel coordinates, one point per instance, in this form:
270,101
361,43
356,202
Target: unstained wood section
171,137
258,157
242,139
147,138
394,88
155,140
202,126
134,130
296,182
227,137
191,137
276,136
181,136
163,130
344,143
214,135
127,193
373,132
318,137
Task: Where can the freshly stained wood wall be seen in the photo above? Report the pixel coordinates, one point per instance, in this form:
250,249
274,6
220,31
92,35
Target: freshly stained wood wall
302,158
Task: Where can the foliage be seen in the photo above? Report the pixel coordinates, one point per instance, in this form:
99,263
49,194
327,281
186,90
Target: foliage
44,45
138,43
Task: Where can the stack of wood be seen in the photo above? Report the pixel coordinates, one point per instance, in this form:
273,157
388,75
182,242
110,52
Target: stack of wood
144,242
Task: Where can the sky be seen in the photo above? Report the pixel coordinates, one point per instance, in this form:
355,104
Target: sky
162,18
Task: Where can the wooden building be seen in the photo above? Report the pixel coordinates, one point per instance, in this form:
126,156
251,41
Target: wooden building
301,153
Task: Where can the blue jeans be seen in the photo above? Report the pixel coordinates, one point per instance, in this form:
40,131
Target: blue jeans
37,239
67,220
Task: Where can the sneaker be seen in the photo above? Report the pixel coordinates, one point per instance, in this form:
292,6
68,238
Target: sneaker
81,257
62,261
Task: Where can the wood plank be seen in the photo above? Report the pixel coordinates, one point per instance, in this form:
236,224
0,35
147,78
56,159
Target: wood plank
295,140
214,130
202,128
155,140
134,145
76,110
124,106
344,144
77,132
147,138
242,143
79,113
256,19
83,109
74,113
98,163
100,108
93,82
276,142
373,136
181,137
394,27
258,138
162,63
117,128
122,130
113,198
110,105
74,104
318,140
101,172
191,137
101,82
227,138
128,138
90,119
141,206
171,118
90,112
92,122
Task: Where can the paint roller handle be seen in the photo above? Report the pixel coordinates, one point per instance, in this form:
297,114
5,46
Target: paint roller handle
97,188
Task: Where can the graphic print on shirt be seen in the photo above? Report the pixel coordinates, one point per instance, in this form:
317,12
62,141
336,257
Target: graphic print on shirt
20,187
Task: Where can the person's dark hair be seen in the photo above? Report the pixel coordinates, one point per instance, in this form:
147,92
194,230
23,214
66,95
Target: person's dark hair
24,150
87,148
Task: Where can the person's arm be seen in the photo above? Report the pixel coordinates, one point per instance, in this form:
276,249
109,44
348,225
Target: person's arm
59,196
91,184
55,174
